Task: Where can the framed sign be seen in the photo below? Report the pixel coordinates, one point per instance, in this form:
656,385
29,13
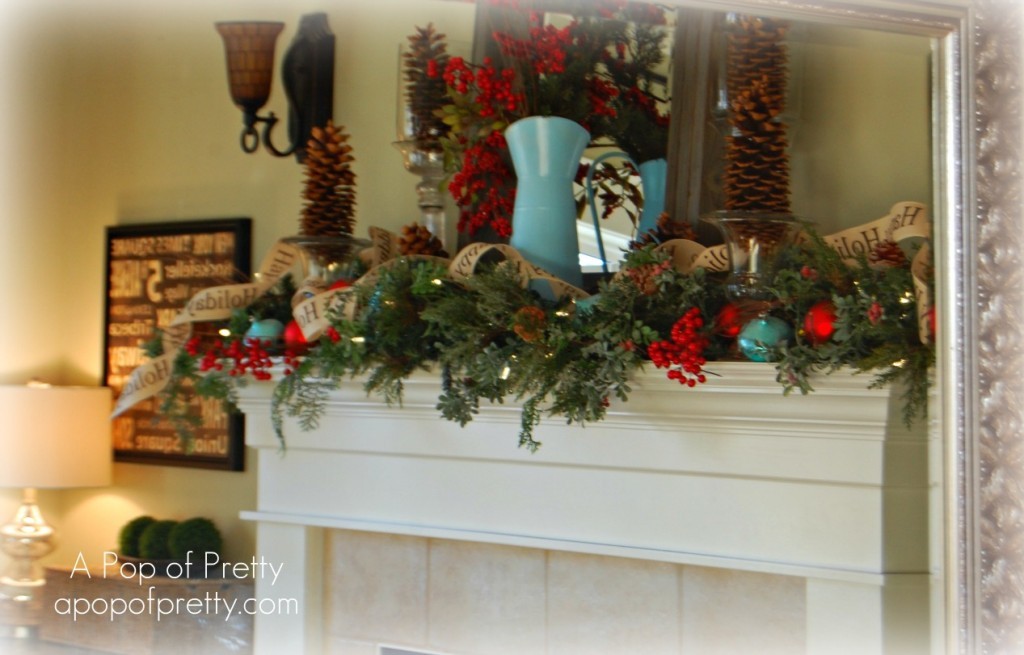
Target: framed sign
152,270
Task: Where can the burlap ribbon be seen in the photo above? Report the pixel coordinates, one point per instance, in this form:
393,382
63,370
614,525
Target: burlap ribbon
211,304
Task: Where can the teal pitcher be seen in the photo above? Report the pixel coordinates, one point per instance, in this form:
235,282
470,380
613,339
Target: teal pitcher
653,179
546,153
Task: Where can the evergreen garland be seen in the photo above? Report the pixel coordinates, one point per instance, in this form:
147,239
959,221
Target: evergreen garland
490,337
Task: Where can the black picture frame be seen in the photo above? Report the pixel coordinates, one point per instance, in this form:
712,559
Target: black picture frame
152,270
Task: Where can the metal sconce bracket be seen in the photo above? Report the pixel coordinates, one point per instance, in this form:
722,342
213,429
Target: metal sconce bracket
307,73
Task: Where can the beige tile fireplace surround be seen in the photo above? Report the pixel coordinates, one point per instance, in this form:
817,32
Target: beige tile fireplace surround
464,597
726,519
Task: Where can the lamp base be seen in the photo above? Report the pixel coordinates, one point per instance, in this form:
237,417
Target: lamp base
19,616
26,539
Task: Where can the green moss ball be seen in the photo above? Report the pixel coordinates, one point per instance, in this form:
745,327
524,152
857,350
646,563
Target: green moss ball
128,538
153,540
196,534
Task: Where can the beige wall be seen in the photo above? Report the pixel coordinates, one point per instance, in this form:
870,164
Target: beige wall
860,130
118,112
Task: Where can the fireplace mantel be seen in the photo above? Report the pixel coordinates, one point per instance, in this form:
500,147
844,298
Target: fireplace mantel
830,486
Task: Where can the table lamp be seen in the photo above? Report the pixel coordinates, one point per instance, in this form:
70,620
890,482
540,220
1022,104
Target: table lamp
55,438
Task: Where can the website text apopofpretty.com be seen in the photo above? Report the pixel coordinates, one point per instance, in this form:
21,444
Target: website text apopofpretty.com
210,603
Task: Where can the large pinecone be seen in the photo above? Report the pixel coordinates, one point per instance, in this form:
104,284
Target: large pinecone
425,93
757,162
330,184
756,50
756,174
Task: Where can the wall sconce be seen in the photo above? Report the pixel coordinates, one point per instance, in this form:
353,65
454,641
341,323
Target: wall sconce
307,73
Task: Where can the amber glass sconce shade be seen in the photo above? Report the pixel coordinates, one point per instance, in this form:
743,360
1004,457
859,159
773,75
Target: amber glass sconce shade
307,74
250,56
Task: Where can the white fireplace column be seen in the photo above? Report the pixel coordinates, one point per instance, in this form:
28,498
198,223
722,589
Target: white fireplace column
828,487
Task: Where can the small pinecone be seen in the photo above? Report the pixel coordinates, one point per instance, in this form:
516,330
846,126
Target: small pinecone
330,184
645,276
666,229
529,323
416,239
888,253
425,93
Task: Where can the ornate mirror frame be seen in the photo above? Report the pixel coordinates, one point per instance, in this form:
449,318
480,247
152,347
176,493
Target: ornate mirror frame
977,140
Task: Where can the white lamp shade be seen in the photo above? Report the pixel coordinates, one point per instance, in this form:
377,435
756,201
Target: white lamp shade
55,437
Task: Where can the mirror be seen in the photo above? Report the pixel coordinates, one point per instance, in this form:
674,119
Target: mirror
965,139
857,116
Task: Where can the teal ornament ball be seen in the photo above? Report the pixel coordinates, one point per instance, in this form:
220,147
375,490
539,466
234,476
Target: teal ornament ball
761,338
266,331
586,305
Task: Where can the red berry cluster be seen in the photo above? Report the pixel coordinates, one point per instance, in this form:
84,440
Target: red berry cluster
601,92
683,353
484,187
544,50
647,104
492,90
241,356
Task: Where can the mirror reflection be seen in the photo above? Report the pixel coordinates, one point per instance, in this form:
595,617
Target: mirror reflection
855,107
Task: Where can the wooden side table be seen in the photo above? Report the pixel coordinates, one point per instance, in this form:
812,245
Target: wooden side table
158,615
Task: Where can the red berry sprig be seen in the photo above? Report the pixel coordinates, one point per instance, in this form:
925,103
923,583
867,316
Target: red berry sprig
683,353
243,356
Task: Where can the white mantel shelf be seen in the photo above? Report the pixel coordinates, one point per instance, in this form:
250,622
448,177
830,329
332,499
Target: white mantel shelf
731,474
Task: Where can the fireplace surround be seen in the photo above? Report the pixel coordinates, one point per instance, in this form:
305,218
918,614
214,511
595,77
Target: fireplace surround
820,504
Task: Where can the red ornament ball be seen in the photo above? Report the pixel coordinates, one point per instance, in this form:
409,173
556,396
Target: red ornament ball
728,322
294,340
820,322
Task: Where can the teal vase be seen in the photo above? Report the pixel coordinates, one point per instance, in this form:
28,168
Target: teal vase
546,153
653,178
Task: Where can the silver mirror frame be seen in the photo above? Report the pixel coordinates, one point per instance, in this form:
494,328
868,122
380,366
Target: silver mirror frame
977,428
